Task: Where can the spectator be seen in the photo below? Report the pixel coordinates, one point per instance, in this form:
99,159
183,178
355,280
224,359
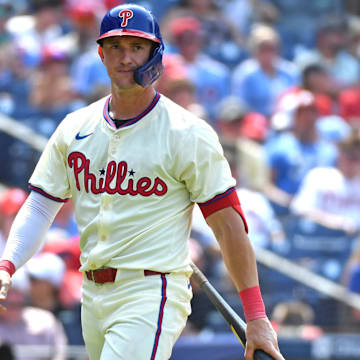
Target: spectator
41,28
260,79
53,73
69,251
349,104
334,203
14,90
25,325
201,306
84,22
14,79
331,52
266,231
87,71
242,13
294,319
354,35
210,77
235,121
176,85
297,21
69,294
43,112
246,131
316,79
221,40
46,273
293,153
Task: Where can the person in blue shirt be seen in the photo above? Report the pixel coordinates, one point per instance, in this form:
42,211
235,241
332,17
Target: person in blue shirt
292,153
260,79
210,77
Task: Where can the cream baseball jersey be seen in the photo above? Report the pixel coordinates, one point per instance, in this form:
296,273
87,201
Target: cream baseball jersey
134,187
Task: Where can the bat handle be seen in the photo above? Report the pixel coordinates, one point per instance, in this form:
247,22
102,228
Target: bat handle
262,355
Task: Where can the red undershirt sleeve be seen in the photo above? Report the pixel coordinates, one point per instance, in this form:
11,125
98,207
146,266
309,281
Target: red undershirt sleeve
222,201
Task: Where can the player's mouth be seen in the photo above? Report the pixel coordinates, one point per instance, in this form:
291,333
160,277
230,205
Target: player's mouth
125,71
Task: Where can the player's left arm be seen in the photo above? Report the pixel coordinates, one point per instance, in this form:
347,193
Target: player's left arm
239,257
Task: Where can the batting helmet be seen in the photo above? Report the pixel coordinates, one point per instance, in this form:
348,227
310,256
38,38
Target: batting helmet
134,20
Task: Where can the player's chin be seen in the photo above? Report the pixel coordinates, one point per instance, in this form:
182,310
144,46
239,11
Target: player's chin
125,83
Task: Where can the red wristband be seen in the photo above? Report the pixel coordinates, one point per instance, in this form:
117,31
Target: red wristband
253,304
7,266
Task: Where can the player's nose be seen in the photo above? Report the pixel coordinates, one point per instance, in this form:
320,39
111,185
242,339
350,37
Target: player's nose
125,57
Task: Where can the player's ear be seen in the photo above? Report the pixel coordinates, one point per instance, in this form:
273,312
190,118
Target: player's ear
100,52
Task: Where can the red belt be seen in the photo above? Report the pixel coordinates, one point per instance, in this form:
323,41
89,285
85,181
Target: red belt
102,276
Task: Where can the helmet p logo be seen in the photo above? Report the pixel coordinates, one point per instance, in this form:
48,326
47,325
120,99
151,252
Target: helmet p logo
125,15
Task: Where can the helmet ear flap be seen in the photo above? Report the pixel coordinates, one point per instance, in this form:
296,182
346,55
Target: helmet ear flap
145,75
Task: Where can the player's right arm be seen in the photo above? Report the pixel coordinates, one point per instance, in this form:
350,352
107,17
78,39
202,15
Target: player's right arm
239,257
26,236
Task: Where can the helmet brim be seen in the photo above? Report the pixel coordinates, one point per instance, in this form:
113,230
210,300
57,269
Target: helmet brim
125,32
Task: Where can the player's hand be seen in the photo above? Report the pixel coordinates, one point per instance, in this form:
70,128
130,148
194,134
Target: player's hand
261,335
5,284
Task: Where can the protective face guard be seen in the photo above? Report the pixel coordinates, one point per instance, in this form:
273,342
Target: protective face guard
145,75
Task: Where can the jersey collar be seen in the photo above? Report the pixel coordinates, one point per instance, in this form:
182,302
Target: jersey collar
132,121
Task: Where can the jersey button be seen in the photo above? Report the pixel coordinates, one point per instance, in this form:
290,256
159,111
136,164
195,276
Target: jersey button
103,237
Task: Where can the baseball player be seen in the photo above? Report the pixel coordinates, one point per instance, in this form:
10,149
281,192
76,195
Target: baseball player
134,163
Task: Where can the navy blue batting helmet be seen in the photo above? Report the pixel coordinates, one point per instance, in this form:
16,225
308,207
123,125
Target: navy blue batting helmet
135,20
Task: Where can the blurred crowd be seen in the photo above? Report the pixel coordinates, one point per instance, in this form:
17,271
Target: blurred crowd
279,81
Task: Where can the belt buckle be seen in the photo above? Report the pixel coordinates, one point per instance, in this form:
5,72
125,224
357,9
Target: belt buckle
92,276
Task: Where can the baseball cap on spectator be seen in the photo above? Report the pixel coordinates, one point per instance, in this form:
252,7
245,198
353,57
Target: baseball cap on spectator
288,106
303,99
84,10
187,24
11,201
48,267
52,53
292,101
231,109
254,126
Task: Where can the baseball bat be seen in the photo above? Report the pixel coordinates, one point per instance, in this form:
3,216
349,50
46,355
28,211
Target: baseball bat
237,325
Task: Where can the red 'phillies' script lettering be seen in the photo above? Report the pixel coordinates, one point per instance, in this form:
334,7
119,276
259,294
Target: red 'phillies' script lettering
125,15
144,186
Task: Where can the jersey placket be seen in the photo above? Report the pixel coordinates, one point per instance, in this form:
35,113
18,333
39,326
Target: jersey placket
106,204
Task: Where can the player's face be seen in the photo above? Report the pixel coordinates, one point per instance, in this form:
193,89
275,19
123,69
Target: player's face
122,55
